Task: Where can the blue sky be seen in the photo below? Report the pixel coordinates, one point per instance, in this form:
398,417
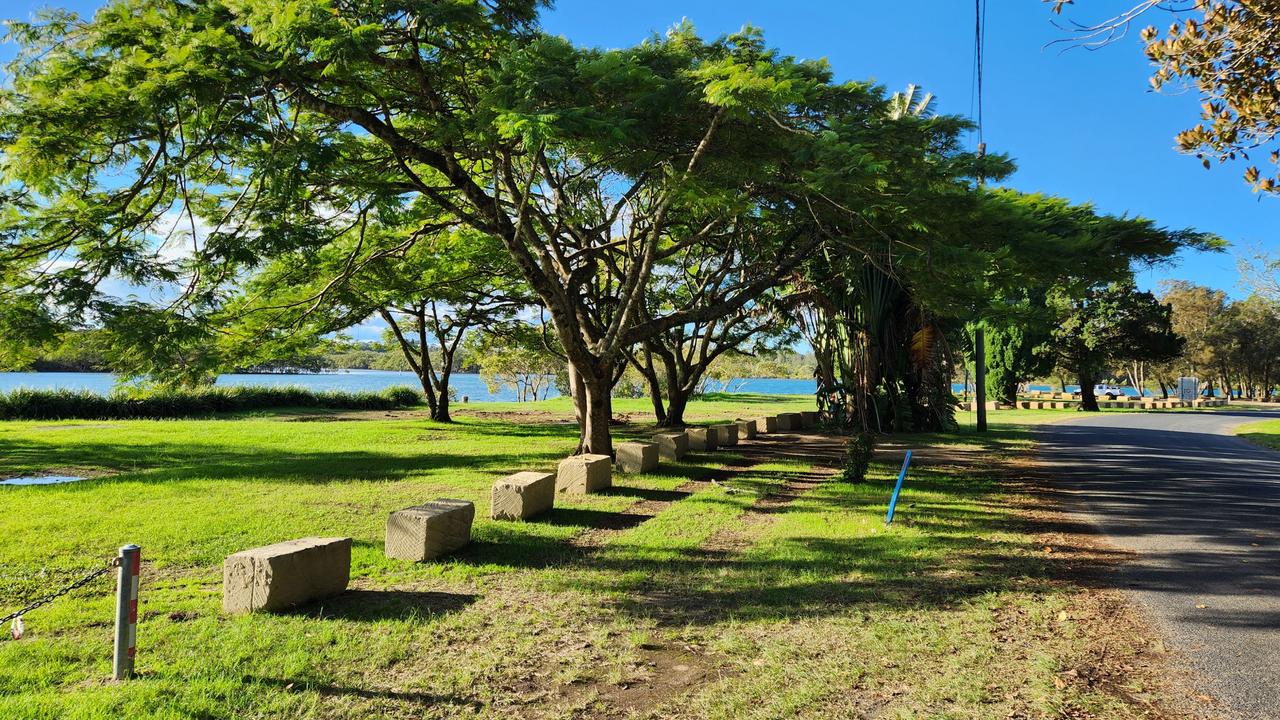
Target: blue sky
1079,124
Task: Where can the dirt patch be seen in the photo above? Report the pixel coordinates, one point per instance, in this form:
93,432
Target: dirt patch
357,415
64,470
665,673
531,417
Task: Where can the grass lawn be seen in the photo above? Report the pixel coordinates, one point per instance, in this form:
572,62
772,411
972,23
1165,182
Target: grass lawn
765,594
1265,433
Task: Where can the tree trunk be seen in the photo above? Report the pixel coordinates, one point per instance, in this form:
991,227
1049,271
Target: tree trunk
1088,401
677,402
597,413
1008,393
655,386
441,411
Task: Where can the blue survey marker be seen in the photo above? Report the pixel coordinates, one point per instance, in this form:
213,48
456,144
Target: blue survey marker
893,501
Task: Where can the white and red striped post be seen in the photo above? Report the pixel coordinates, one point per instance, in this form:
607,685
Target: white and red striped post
130,562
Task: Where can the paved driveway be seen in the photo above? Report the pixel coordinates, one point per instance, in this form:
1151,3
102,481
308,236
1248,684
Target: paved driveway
1201,508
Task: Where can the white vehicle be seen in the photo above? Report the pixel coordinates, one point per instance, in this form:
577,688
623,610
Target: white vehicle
1110,391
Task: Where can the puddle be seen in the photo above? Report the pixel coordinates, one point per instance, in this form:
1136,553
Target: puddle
42,480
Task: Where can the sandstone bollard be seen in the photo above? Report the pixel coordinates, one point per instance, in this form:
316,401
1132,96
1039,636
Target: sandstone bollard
788,422
766,424
427,531
636,457
583,474
278,576
808,418
746,429
522,495
726,435
701,438
672,446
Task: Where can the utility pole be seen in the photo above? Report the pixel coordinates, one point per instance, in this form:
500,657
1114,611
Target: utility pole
980,344
979,339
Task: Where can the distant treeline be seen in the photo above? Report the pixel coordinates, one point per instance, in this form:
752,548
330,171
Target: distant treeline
79,353
25,404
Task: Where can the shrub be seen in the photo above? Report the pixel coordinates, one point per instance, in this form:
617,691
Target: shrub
858,452
23,404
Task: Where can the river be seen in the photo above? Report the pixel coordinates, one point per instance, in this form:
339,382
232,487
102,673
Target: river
465,384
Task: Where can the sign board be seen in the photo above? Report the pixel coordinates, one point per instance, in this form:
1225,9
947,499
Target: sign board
1188,389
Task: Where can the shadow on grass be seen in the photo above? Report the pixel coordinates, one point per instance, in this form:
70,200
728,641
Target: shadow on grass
183,461
376,605
330,690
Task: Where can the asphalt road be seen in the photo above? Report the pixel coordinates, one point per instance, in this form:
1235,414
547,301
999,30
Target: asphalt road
1201,509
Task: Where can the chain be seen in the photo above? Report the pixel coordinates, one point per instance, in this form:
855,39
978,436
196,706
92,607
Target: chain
50,598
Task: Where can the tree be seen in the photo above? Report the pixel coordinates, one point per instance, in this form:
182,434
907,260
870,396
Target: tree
429,293
1108,324
282,126
1197,310
1229,51
517,358
1017,350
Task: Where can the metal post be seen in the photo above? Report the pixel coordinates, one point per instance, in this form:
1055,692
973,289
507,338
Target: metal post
980,379
893,501
130,561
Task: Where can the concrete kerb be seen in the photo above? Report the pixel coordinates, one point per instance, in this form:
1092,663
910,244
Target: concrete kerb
788,422
636,456
522,495
582,474
425,532
726,435
279,576
672,446
701,439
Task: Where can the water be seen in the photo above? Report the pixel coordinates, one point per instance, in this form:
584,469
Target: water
42,480
465,384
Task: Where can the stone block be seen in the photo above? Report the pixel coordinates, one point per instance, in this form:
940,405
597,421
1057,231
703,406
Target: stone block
766,424
427,531
672,446
636,457
701,438
808,418
788,422
726,435
279,576
583,474
746,429
523,495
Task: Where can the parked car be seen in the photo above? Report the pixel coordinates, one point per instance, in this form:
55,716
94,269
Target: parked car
1110,391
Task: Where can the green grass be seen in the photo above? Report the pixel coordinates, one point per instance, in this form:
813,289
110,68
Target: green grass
1265,433
812,610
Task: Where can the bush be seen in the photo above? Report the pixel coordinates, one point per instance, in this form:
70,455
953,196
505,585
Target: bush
24,404
857,460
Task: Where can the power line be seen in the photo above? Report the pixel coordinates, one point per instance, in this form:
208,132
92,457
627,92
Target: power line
979,38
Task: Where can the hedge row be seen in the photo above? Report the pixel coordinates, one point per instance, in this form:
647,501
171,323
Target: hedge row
25,404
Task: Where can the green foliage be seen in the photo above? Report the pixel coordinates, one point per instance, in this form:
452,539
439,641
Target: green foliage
25,404
1111,323
859,451
517,358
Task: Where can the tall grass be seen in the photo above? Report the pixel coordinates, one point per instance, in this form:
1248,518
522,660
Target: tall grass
23,404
